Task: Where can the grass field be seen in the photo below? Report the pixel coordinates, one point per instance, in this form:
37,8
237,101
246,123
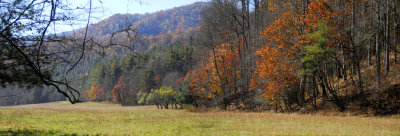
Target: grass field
62,118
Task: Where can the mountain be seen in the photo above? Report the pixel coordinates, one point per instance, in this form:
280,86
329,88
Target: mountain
164,21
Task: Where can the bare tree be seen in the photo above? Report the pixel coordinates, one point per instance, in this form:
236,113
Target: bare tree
30,55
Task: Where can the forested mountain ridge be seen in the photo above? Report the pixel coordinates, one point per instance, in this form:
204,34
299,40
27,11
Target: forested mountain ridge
164,21
166,51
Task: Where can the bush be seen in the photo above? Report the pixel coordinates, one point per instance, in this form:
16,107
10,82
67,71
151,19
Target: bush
160,97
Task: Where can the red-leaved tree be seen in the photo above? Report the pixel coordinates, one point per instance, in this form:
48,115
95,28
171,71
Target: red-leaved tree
121,92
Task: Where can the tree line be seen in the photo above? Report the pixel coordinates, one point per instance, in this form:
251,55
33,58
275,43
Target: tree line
306,54
298,55
137,78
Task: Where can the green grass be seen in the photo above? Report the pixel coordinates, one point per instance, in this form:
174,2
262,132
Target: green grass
61,118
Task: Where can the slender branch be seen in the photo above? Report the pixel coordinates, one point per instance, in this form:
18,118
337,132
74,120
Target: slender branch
38,73
82,54
19,16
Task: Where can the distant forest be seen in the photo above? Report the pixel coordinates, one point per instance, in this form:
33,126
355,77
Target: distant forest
255,55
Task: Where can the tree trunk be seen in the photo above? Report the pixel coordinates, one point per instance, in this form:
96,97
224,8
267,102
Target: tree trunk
360,80
301,91
378,62
315,92
387,42
323,87
369,52
378,55
368,27
352,34
395,30
342,46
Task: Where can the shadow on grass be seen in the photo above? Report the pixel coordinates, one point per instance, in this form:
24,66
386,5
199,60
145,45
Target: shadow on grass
30,132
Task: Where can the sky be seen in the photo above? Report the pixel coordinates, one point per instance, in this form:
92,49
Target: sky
107,8
102,9
143,6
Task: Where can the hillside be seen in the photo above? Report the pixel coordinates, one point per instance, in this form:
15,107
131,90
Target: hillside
164,21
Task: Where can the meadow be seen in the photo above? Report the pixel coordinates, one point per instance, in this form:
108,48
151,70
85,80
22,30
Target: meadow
62,118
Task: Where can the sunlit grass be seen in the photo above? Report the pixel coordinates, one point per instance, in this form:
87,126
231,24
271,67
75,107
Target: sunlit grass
109,119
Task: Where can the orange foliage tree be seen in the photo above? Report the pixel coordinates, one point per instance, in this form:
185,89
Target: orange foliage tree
280,56
199,83
96,93
92,92
216,78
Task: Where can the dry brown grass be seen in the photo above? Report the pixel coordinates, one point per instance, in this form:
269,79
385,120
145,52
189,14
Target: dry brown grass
111,119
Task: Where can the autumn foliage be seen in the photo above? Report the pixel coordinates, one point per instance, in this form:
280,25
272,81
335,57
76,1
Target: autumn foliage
120,91
96,93
217,75
310,55
279,58
85,94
